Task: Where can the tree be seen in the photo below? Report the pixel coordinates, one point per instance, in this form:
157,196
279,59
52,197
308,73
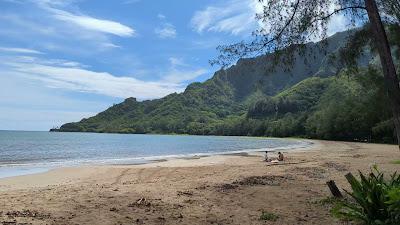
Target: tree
288,24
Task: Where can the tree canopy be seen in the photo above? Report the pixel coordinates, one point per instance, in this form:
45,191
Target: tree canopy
286,25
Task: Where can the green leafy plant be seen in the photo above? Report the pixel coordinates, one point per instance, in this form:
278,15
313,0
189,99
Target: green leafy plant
268,216
374,199
396,162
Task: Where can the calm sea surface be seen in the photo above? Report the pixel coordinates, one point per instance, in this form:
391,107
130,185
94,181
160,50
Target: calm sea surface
25,152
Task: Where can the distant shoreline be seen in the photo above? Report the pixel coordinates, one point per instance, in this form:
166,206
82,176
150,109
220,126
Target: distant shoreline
210,135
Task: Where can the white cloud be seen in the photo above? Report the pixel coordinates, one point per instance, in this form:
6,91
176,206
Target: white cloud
167,30
90,23
24,25
234,16
338,22
179,76
161,16
83,80
110,45
180,71
61,30
20,50
177,61
73,76
84,21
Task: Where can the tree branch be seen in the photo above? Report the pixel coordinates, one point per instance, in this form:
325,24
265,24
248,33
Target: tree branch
276,37
340,10
285,26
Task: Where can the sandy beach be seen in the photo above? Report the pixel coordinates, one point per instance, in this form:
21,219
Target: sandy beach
222,189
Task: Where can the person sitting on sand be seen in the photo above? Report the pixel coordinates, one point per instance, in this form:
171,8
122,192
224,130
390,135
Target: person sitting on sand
266,159
280,156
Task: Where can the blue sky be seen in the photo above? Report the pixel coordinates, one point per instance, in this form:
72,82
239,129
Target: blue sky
62,60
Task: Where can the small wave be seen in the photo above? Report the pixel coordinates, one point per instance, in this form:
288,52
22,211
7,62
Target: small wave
24,168
146,159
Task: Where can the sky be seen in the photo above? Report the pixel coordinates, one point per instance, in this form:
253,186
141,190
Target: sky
63,60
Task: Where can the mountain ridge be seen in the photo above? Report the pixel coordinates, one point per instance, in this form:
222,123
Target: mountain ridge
227,98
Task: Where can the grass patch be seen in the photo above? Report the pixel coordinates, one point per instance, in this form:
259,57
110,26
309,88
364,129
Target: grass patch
268,216
328,201
396,162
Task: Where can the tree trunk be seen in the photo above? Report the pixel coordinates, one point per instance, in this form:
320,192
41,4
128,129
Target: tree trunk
334,189
389,70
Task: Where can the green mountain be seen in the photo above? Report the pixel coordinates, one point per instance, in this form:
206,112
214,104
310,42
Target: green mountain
245,99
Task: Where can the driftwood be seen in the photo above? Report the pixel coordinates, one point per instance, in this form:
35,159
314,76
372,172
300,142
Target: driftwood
334,189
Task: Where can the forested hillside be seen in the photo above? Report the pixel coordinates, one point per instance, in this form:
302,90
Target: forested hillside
249,99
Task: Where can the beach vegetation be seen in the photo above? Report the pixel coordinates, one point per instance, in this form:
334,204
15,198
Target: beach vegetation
328,201
268,216
396,162
374,199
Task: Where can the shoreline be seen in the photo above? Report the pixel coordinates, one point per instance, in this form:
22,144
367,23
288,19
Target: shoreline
219,189
24,169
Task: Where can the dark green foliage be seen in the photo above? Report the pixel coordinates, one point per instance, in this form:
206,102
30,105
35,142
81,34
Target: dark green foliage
346,107
268,216
298,98
374,199
354,107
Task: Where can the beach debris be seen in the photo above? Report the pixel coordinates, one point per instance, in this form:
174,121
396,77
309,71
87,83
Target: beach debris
9,223
357,156
272,180
113,209
310,172
338,167
161,218
227,187
202,187
139,221
186,193
27,213
177,206
189,201
71,216
140,202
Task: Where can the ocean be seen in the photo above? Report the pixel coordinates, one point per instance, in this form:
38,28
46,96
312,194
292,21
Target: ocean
27,152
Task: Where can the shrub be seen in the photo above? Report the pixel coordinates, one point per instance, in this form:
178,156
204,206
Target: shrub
374,199
268,216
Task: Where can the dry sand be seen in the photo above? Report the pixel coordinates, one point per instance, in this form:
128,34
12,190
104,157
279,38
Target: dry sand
231,189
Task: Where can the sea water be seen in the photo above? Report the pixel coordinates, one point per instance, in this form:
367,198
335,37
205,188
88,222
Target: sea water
27,152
